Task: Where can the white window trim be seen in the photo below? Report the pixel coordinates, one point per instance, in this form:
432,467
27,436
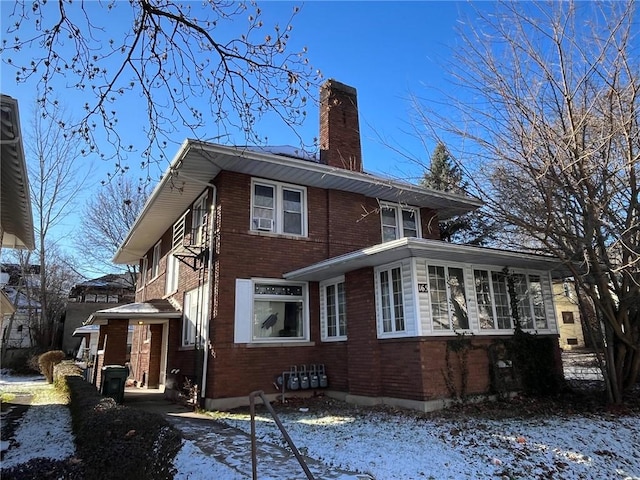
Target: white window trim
398,208
379,315
155,261
470,318
194,313
198,227
173,264
494,310
547,301
244,302
143,273
278,207
324,325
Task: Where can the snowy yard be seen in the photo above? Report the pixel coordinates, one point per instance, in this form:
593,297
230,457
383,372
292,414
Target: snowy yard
389,444
401,445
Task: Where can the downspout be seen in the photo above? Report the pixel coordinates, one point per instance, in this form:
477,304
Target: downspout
209,293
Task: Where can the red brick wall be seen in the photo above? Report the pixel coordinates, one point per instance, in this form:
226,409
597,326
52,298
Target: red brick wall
339,126
363,347
429,224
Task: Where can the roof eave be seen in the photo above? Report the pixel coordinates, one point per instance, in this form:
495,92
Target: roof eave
196,163
437,250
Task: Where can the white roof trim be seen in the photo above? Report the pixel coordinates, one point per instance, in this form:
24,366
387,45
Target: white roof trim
197,163
16,217
435,250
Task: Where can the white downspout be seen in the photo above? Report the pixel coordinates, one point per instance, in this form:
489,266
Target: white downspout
212,247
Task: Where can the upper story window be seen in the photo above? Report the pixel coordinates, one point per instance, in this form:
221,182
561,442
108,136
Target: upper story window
199,220
399,221
173,264
334,310
155,262
278,208
447,298
142,275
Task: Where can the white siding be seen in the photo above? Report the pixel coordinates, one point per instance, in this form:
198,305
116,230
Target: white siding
244,311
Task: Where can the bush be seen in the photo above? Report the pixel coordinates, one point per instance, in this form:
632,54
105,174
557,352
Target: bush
48,360
116,442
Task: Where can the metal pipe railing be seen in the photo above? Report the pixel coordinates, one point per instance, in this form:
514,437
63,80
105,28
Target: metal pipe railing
254,455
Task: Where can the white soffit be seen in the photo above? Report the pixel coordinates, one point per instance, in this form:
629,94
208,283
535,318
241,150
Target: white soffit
15,204
434,250
197,164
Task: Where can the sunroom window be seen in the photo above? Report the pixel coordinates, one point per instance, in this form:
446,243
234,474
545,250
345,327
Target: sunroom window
447,298
278,208
391,302
494,302
398,222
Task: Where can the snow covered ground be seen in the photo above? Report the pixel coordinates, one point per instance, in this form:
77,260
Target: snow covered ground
397,445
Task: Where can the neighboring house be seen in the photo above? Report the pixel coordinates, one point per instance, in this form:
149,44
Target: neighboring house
16,218
258,261
20,286
86,297
568,315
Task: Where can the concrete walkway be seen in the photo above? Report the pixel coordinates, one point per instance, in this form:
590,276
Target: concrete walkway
231,446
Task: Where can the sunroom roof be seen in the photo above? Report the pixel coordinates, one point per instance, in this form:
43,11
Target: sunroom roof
435,250
196,163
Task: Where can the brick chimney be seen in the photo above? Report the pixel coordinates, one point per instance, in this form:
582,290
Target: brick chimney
339,127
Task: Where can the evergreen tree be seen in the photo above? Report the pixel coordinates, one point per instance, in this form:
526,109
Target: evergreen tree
473,228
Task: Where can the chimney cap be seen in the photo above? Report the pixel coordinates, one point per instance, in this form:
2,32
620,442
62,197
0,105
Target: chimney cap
336,85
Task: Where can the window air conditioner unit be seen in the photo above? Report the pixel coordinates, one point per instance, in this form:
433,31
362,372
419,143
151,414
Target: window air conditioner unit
263,224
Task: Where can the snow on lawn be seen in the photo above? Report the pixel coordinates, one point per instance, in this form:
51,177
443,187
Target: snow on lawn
192,463
402,446
44,431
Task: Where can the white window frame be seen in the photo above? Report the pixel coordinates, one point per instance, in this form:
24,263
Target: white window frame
246,317
324,310
173,264
492,295
448,296
526,303
155,262
399,224
143,273
276,224
392,320
199,215
195,307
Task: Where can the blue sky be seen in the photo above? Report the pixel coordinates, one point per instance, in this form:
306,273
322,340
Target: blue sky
386,50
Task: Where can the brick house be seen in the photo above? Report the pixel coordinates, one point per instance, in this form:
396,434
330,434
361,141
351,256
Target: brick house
258,260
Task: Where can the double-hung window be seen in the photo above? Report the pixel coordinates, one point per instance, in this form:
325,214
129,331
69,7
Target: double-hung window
199,220
390,300
173,264
447,298
194,314
278,208
334,310
399,222
155,262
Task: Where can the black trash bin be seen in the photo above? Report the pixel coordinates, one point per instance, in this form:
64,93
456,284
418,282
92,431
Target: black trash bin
114,378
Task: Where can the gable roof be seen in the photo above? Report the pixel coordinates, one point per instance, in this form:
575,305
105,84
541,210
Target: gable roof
16,217
196,163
